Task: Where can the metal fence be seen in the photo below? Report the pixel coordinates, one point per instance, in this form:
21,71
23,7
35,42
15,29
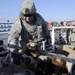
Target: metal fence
4,27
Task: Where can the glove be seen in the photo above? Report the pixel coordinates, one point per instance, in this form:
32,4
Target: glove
17,58
29,60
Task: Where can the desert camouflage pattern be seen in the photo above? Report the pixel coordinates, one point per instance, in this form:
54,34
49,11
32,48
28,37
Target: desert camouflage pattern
22,32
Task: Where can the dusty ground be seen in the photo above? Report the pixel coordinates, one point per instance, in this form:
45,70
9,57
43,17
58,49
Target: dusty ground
68,48
65,49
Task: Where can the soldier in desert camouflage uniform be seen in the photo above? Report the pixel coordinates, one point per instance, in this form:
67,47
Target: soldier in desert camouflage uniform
29,27
73,39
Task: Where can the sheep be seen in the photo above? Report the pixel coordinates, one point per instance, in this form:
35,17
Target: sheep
59,66
52,66
46,65
2,49
71,63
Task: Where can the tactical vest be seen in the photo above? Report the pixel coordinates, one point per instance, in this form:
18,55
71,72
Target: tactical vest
30,33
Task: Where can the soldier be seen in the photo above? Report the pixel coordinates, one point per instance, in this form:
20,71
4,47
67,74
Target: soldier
29,27
68,36
73,39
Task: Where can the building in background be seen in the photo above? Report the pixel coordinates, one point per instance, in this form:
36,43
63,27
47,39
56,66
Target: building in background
68,23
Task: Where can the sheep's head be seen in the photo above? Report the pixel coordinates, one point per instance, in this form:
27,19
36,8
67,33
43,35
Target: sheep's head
32,48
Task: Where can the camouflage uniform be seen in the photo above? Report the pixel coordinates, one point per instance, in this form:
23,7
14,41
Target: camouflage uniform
22,32
73,39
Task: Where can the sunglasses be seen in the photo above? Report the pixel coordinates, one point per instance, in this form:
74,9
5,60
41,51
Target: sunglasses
28,15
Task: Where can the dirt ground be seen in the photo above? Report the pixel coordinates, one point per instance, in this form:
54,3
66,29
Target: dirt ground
68,48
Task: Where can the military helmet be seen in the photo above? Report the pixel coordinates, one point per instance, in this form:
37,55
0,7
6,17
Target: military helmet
28,7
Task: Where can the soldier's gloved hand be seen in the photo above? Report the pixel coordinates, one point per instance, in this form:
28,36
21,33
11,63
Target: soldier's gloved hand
29,60
17,58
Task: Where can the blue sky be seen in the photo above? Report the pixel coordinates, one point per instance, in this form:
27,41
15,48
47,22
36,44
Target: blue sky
51,10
